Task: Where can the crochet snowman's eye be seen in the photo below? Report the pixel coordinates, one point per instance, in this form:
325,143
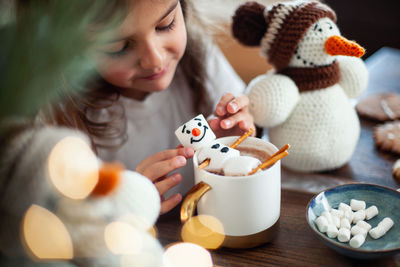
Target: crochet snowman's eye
187,131
215,146
199,124
320,29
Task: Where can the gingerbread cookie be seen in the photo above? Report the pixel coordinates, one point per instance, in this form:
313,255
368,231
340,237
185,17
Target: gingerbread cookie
381,107
387,136
396,170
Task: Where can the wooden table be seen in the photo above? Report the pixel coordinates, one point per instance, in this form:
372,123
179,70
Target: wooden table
295,244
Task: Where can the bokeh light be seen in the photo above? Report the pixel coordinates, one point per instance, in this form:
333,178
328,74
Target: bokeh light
140,200
73,168
45,235
121,238
204,230
187,254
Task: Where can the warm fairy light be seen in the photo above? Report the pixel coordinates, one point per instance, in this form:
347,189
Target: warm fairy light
45,235
187,254
141,198
204,230
122,239
73,168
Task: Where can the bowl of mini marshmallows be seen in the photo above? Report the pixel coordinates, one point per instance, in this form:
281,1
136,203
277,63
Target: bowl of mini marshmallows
358,220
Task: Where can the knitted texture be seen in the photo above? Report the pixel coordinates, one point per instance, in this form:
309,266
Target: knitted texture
353,76
323,130
272,98
308,79
337,45
305,102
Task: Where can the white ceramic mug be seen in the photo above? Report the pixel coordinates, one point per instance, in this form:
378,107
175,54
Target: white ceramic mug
247,206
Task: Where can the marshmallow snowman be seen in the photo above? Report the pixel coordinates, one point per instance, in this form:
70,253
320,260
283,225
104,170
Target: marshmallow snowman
198,135
195,133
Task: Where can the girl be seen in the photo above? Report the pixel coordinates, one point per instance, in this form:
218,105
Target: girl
156,70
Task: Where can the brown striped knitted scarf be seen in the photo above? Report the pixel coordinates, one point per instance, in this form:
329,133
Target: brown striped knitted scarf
309,79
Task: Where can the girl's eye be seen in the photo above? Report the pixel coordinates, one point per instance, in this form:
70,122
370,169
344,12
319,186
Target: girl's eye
166,28
120,52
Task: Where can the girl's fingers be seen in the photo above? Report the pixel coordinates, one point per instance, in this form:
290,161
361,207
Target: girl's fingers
170,203
164,155
161,168
221,110
166,184
233,120
237,104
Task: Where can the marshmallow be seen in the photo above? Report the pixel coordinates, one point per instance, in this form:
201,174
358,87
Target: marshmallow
357,204
381,228
332,231
242,165
371,212
358,216
357,230
364,225
336,221
322,224
218,154
357,240
343,235
344,207
345,223
337,213
328,216
195,133
349,215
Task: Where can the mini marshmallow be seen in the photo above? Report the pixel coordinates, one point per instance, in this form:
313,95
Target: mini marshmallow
364,225
322,224
337,213
242,165
328,216
358,216
381,228
371,212
343,235
332,231
195,133
349,215
357,230
218,154
344,207
345,223
336,221
357,204
357,240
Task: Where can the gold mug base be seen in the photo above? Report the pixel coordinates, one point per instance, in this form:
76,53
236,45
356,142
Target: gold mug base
254,240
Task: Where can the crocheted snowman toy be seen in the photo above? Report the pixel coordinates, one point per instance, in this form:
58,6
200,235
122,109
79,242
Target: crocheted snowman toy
304,100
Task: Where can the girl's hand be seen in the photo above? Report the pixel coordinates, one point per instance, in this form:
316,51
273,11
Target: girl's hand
232,116
157,168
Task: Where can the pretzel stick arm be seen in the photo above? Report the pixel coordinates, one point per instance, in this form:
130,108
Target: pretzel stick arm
234,145
269,162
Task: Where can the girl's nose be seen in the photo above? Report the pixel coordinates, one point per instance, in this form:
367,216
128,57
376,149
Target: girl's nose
151,57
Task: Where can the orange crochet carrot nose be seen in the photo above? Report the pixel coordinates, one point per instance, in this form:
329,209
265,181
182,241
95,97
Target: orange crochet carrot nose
109,176
338,45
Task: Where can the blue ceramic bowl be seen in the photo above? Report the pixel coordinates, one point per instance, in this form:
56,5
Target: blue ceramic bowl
387,201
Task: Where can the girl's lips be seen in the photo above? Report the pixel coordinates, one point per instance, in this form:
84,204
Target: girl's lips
156,75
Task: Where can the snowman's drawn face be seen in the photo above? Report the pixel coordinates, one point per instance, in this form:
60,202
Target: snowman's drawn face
195,133
310,51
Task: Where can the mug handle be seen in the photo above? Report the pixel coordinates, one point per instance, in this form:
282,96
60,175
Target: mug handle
190,202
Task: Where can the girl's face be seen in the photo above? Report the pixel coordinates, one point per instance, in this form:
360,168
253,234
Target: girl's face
143,52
